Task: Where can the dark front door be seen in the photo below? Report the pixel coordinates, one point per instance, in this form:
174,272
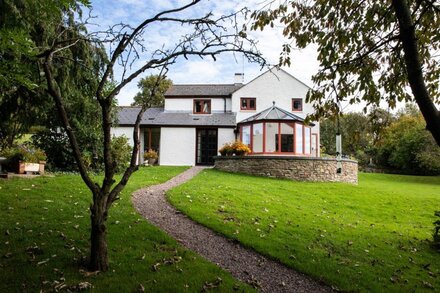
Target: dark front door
206,146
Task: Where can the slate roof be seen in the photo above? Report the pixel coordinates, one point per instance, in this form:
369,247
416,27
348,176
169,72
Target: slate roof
274,113
157,116
202,89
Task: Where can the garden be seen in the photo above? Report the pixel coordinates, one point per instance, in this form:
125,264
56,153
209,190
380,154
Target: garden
376,236
45,232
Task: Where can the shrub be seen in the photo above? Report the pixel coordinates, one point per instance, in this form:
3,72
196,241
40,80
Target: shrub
24,153
121,152
240,148
151,154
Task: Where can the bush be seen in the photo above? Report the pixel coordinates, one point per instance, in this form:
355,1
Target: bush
121,152
56,145
24,153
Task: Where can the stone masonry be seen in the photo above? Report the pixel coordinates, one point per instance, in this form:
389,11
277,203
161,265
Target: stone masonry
295,168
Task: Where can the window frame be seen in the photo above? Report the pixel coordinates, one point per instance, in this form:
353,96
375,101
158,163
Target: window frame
293,105
202,106
248,104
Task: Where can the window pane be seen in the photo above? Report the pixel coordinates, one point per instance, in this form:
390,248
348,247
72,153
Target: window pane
257,138
286,138
299,138
307,140
243,104
271,137
246,135
198,106
252,104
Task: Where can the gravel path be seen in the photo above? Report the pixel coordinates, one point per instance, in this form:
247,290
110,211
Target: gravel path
244,264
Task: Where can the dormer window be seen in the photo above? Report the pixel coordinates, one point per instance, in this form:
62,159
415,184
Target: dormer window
248,103
202,107
297,105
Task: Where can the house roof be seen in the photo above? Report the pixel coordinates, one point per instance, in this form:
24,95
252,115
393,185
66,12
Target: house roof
273,113
179,90
158,117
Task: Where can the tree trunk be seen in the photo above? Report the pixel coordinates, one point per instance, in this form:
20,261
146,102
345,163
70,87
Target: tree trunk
414,68
98,237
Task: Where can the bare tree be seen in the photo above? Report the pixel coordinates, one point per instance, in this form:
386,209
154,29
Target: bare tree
209,37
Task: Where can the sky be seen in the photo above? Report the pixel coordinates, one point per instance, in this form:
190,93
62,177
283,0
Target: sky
107,13
196,70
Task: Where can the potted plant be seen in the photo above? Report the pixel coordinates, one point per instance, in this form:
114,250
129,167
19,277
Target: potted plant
151,157
226,150
240,148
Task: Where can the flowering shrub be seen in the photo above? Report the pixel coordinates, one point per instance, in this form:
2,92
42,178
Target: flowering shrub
226,149
240,148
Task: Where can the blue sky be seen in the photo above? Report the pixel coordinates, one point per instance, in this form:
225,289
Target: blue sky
196,70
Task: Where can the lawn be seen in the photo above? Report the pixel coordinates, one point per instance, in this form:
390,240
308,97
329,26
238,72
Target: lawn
370,237
44,241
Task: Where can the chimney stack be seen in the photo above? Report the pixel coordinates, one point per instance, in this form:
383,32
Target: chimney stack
238,78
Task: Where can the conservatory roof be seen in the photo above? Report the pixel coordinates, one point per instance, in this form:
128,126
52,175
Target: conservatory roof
274,113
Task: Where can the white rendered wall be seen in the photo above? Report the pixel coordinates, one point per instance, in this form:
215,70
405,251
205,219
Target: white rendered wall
276,86
177,146
225,135
186,104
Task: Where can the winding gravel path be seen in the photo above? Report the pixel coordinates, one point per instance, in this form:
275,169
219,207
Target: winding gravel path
244,264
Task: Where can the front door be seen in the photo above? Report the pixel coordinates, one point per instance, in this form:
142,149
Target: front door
206,146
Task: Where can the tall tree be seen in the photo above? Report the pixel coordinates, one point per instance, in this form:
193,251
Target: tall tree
208,36
26,27
367,50
152,92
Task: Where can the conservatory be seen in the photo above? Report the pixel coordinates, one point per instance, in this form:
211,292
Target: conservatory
275,131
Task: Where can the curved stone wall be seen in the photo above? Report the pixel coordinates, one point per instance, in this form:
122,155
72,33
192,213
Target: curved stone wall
295,168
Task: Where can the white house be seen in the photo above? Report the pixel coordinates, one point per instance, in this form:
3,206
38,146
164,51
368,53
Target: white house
198,119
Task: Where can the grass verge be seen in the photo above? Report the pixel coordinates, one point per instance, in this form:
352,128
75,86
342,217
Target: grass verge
44,238
371,237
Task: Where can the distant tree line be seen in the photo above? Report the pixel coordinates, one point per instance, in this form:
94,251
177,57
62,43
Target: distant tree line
395,142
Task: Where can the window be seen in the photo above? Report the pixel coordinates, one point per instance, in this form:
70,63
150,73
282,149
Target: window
246,135
248,104
297,105
298,138
202,106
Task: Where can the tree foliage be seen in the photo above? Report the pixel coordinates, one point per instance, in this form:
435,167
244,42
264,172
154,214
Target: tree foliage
28,27
398,142
152,92
368,51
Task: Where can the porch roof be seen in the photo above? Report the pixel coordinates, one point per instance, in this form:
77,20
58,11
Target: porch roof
159,117
274,113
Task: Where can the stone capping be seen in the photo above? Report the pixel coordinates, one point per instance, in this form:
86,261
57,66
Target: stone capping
281,157
290,167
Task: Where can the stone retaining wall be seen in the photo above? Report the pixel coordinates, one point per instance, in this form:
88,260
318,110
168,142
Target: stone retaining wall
295,168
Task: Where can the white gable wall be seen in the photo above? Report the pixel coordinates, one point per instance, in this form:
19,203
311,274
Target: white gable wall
278,86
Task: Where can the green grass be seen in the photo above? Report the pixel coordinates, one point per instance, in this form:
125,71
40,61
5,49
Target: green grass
371,237
44,240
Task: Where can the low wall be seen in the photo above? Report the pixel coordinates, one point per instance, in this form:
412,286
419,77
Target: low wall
295,168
